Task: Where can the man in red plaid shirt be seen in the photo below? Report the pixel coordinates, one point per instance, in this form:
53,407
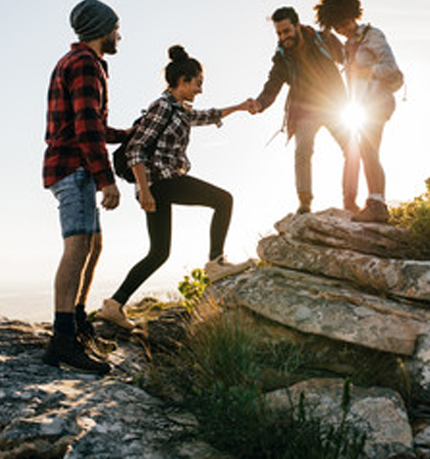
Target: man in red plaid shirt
76,165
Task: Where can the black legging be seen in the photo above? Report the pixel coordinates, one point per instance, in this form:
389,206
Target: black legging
184,190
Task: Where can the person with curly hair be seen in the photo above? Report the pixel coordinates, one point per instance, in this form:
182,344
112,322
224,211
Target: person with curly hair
308,62
373,76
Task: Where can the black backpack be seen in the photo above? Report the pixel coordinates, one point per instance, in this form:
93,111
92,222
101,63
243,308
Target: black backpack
120,165
120,160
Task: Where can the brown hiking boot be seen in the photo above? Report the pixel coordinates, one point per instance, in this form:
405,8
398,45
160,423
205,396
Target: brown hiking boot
303,209
87,336
66,350
305,203
374,211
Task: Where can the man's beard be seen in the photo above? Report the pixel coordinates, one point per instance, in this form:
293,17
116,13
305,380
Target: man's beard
109,45
292,42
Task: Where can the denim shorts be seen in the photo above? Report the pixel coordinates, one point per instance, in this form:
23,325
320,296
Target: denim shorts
76,195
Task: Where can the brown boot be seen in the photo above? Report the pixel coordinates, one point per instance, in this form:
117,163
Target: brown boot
66,350
305,203
374,211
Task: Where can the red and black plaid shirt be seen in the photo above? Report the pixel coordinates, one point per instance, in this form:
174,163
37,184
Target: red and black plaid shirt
77,129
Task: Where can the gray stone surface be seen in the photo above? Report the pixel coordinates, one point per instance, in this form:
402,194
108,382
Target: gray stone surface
334,228
342,289
52,413
326,307
378,412
422,443
419,364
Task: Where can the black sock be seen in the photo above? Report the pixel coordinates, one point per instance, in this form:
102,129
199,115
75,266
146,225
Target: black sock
64,323
80,314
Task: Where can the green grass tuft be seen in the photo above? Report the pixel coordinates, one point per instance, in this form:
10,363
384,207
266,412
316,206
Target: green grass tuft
220,371
415,216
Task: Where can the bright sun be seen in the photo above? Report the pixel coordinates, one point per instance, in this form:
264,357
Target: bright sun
353,116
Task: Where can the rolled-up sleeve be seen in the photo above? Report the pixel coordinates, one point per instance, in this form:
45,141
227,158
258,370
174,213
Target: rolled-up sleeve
385,67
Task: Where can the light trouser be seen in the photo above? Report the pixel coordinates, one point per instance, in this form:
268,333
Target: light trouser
370,142
306,130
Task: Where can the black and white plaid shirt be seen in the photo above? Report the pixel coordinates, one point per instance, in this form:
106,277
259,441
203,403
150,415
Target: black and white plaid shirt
168,117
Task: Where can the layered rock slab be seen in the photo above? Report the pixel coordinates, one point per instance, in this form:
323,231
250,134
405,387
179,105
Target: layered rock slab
325,307
330,244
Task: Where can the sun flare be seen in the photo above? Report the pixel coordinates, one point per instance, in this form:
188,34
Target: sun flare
353,116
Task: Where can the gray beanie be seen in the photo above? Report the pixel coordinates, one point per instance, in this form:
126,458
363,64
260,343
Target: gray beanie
92,19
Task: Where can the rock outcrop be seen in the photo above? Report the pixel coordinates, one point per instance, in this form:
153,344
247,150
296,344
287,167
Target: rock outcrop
351,295
51,413
329,308
373,258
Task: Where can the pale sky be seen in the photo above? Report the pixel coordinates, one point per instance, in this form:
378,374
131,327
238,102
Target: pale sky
234,41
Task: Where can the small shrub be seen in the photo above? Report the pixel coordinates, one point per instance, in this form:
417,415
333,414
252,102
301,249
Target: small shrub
192,287
415,216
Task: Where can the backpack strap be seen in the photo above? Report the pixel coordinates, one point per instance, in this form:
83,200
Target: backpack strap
356,42
153,145
322,46
120,161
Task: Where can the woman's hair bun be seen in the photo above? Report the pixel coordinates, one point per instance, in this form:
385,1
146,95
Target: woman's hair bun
178,53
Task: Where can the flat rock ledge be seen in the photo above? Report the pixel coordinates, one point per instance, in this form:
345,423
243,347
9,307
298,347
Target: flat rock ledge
51,413
326,307
328,243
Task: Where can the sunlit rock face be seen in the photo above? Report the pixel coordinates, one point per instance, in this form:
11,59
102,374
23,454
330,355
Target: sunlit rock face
327,276
352,296
329,308
328,243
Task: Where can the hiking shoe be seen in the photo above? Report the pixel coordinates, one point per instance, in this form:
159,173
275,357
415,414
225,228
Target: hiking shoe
112,311
65,349
305,200
303,209
374,211
220,268
88,338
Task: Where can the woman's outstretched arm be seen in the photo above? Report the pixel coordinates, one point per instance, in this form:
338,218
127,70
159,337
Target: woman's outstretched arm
243,106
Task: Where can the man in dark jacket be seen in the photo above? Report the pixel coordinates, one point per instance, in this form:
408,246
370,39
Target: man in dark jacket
306,60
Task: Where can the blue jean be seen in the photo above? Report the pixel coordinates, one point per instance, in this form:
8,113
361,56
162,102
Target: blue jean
76,194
